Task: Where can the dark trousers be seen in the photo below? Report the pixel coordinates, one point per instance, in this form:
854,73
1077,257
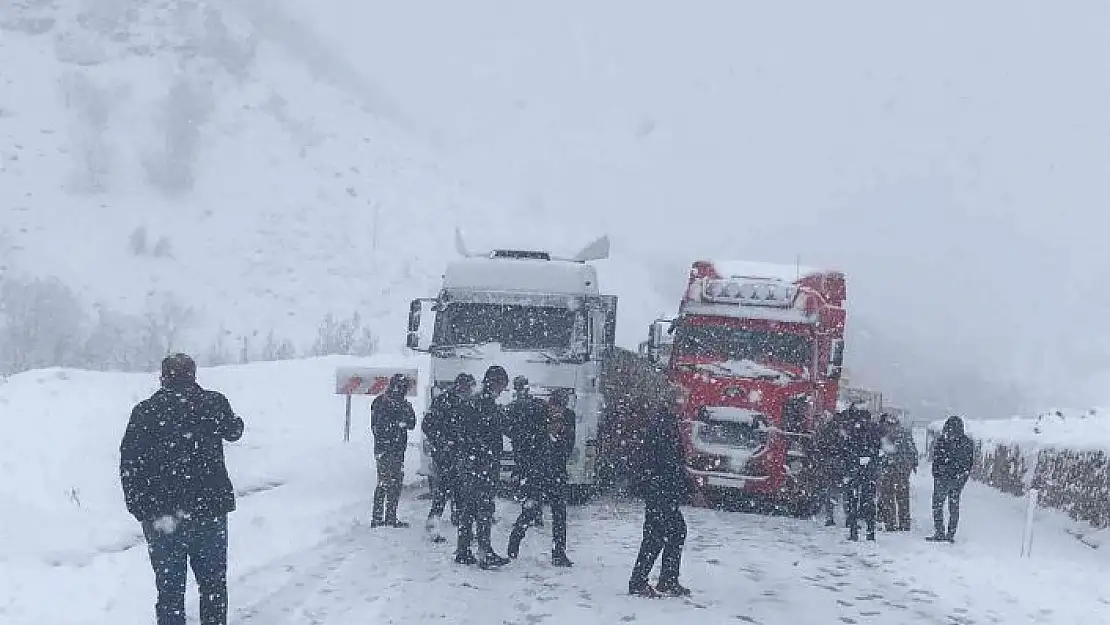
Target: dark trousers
197,543
947,489
532,510
860,500
443,488
894,500
664,531
474,496
391,473
831,493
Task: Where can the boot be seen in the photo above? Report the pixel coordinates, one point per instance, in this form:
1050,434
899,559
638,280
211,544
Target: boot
830,523
871,535
645,590
490,560
431,526
560,559
672,588
396,523
937,538
853,534
465,557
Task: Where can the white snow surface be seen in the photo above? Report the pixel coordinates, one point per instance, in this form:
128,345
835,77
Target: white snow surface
302,552
742,369
522,275
755,269
1068,429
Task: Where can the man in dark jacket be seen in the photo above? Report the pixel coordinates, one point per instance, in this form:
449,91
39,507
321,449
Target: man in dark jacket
894,486
666,486
864,448
176,485
480,461
953,458
542,444
442,427
391,417
829,450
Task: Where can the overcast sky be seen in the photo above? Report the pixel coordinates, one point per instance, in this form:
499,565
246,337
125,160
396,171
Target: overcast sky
952,158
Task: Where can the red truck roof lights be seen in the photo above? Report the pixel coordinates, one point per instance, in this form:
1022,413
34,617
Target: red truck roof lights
769,286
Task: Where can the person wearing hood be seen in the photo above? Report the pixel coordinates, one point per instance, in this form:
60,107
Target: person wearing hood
391,417
953,459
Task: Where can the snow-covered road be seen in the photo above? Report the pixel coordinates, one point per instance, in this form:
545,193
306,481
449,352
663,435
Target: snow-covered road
743,568
301,551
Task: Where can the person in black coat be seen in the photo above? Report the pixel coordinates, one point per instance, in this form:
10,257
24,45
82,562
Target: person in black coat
665,485
442,427
480,448
953,458
830,463
863,450
175,484
542,444
391,417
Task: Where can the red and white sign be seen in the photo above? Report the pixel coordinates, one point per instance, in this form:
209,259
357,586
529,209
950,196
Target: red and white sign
371,380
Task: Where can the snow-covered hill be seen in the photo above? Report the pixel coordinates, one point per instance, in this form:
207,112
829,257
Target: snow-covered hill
301,158
283,191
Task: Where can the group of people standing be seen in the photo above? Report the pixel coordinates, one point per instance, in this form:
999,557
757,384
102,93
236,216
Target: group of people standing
463,429
176,485
868,462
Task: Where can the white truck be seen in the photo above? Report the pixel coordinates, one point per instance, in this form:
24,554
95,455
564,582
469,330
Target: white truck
534,314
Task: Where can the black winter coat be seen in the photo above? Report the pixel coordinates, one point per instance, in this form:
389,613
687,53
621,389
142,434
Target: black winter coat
665,481
830,445
390,419
541,458
864,445
172,456
953,457
443,427
481,442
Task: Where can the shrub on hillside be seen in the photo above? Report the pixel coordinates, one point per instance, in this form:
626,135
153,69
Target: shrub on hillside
1074,481
343,337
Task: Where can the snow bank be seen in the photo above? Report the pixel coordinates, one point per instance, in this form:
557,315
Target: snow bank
1064,455
61,431
1086,430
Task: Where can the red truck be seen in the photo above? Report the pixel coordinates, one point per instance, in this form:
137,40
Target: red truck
757,351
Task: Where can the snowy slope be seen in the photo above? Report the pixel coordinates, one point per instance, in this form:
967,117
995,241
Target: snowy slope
284,194
62,429
302,551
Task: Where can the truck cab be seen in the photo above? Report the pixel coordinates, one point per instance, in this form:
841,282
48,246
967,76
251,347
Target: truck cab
534,314
756,351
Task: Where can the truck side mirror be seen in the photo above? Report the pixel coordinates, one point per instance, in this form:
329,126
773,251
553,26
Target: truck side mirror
415,308
415,339
836,360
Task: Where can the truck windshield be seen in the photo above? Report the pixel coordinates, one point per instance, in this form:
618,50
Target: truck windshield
732,343
513,326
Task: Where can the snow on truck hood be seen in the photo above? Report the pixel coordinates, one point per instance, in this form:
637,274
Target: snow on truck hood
741,369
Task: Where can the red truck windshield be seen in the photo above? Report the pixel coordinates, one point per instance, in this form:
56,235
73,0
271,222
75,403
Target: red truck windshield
729,342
